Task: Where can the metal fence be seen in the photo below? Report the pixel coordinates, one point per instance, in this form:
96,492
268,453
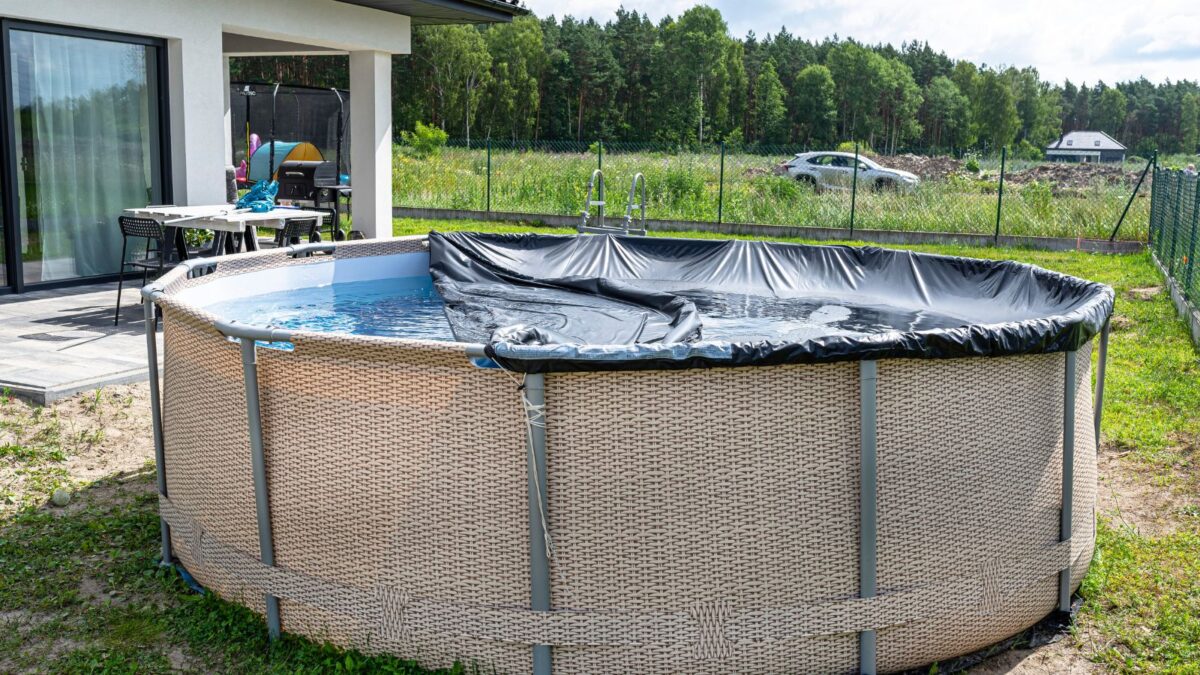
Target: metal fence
726,184
1175,208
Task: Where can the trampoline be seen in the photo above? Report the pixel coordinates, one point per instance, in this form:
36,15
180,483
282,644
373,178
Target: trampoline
634,454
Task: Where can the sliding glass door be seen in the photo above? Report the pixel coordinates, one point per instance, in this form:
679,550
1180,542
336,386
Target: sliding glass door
85,130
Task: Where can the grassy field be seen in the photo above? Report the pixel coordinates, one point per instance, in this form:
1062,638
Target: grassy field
80,591
687,186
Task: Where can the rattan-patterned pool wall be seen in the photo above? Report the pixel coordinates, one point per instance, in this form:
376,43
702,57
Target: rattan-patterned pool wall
700,521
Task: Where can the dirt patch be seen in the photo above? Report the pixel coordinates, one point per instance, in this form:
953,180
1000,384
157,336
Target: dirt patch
926,168
1058,658
1132,495
72,442
1120,322
1143,294
1063,176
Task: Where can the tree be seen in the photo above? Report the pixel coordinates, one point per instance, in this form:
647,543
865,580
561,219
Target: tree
459,66
898,105
860,77
700,69
1111,110
815,104
770,112
1081,112
1038,106
632,38
945,114
1189,122
592,76
996,118
518,61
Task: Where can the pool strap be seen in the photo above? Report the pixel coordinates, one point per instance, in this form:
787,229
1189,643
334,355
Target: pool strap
394,612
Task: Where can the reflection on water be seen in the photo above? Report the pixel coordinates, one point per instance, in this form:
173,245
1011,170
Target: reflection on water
731,317
410,307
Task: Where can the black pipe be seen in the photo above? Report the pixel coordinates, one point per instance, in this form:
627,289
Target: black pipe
1153,158
341,131
271,168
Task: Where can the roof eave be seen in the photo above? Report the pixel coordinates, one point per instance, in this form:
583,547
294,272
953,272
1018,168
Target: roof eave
447,11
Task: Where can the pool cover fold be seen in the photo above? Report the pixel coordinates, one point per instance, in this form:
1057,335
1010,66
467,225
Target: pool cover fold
542,303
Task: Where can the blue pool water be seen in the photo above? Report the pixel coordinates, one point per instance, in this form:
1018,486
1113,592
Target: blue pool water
410,307
404,307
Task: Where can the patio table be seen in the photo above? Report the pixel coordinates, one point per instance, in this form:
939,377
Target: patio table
222,220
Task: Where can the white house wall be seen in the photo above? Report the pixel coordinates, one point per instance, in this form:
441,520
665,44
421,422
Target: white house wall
197,71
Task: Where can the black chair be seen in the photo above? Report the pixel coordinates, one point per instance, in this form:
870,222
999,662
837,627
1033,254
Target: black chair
298,230
153,258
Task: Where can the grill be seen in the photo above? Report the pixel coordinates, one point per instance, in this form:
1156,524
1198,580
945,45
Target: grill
307,183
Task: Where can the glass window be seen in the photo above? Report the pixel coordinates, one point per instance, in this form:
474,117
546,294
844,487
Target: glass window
87,147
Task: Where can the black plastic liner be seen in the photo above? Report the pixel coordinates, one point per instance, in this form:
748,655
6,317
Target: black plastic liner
543,303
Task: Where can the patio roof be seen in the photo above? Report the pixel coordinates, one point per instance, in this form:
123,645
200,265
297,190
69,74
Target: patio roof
447,11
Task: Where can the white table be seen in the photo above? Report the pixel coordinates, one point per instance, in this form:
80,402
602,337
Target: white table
222,219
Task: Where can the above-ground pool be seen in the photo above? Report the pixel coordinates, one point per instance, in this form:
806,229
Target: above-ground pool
610,454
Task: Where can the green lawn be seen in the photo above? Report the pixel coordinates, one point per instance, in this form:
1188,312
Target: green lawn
80,590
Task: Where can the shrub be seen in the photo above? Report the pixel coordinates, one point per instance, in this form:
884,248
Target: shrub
1027,150
972,164
772,187
1039,197
425,140
680,184
864,148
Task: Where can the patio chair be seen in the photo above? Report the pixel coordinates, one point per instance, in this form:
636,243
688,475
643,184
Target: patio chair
153,258
298,230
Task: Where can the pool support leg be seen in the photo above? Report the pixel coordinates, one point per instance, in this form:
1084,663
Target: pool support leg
266,545
156,422
539,561
1068,479
1101,362
868,483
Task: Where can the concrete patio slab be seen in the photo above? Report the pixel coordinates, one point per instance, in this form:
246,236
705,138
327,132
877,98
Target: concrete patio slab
57,343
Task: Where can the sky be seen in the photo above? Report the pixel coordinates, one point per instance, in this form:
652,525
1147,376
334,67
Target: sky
1081,41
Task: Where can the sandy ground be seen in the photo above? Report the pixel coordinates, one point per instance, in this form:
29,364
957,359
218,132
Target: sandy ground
108,433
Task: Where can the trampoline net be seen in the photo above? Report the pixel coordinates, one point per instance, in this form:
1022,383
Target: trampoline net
302,114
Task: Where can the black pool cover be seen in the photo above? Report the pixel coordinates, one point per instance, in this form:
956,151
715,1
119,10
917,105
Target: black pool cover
599,302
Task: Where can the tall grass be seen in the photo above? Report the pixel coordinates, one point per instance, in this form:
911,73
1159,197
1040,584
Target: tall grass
687,186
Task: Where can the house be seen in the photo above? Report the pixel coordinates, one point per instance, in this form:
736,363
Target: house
1085,146
109,104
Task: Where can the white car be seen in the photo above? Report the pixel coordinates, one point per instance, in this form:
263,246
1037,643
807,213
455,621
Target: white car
835,171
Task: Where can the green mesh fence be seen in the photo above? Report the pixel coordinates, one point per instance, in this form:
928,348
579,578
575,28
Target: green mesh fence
716,183
1174,227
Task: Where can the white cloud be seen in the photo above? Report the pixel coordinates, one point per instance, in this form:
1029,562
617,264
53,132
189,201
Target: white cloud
1084,41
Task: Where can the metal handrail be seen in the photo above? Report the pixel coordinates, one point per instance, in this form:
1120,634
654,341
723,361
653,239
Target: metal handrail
597,179
639,180
596,198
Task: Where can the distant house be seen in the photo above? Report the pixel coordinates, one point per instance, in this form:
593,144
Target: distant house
1085,146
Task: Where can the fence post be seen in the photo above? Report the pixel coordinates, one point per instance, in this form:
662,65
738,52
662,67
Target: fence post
721,189
1191,256
489,175
1138,186
600,155
854,190
1000,195
1154,185
1177,207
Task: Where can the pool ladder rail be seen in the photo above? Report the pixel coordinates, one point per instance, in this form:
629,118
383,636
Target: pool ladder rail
596,199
